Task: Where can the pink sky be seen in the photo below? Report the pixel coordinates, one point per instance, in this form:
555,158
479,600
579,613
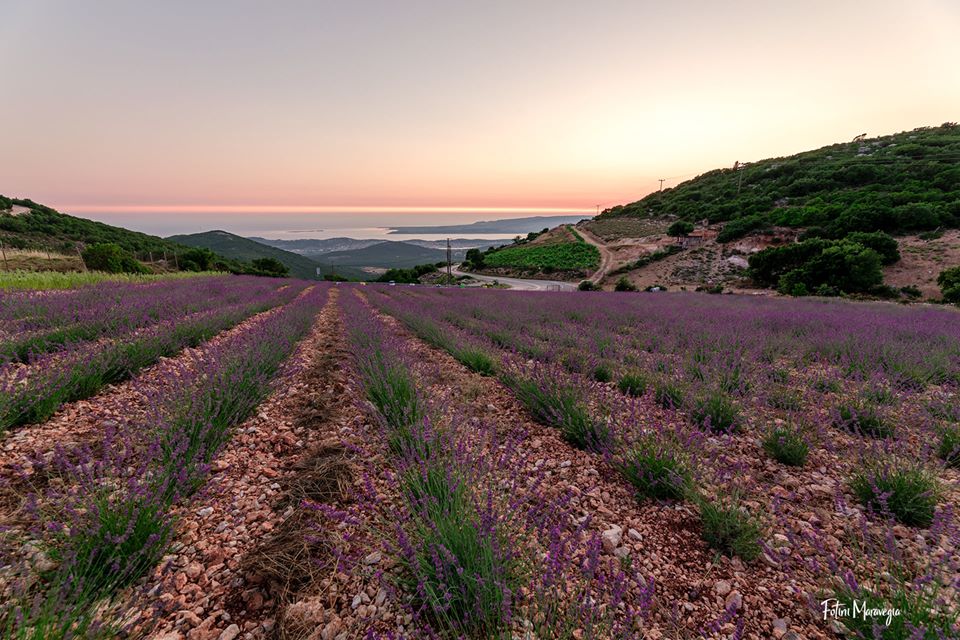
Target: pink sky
401,106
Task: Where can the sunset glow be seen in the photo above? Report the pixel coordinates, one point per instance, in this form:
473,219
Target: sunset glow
437,106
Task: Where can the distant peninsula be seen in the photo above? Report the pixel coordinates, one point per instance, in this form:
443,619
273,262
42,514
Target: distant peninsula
510,225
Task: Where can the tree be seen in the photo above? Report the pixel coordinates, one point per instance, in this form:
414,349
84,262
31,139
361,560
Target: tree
949,282
197,259
111,258
680,228
269,267
882,243
624,285
474,258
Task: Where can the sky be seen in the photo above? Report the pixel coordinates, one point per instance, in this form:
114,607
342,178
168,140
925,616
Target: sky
178,114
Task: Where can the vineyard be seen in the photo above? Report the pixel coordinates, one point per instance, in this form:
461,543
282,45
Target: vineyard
225,457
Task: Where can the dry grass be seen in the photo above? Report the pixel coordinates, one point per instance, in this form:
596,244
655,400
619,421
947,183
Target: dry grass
613,229
34,260
323,476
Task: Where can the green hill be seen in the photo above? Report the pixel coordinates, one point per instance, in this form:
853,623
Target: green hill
236,247
35,226
898,183
388,255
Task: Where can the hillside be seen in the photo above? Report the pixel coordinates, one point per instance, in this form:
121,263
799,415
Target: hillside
799,224
898,183
388,254
236,247
559,253
24,224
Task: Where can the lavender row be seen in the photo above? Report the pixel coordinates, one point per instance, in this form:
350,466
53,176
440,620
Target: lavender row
890,485
482,555
23,306
33,394
109,523
112,311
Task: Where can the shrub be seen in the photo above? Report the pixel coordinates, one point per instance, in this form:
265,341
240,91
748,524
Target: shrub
716,412
455,563
111,258
655,471
884,244
864,419
826,385
784,398
477,361
587,285
949,281
624,285
949,448
667,393
633,384
559,406
906,491
741,227
911,292
392,390
680,228
730,528
602,372
269,267
787,445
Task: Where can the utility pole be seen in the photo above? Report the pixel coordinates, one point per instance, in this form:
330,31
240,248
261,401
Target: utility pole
449,261
661,184
6,267
598,209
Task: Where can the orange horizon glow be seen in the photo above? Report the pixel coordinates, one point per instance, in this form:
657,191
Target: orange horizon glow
255,209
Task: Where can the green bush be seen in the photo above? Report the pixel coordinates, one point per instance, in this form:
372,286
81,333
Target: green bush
587,285
949,281
556,405
633,383
656,471
111,258
716,412
730,528
680,228
624,285
476,360
904,490
863,418
808,266
602,372
949,448
911,292
883,243
784,398
667,393
787,445
741,227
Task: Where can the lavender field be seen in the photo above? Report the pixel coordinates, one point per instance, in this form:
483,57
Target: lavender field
241,457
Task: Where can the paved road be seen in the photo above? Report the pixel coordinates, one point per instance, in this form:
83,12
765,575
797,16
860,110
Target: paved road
525,285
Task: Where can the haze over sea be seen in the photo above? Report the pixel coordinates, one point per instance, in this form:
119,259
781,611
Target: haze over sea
361,225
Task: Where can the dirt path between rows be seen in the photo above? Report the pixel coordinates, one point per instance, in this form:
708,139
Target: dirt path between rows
246,525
